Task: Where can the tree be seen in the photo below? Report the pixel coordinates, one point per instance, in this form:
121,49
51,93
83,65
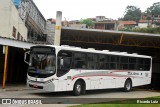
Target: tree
132,13
154,9
155,30
153,12
89,23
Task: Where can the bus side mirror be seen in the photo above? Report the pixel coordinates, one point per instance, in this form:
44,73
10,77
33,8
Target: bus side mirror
61,62
26,56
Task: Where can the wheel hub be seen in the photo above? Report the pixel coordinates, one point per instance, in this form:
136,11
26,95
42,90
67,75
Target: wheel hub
78,88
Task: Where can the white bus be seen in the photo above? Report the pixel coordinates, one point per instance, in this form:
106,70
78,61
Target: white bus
65,68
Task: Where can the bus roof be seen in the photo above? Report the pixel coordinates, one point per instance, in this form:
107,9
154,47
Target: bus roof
92,50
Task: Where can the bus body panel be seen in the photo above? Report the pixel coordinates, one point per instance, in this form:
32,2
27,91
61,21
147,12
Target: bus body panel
94,79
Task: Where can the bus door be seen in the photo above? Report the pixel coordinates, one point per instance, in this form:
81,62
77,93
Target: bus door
63,67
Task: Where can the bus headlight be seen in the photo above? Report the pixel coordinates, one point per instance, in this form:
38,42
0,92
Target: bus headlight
50,71
49,81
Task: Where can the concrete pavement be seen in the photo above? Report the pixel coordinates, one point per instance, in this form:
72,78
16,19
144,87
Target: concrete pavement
21,91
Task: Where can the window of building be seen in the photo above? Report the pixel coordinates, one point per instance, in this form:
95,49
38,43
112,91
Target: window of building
18,36
21,38
14,32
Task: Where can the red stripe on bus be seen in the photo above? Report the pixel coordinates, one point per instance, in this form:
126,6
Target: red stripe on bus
105,75
121,71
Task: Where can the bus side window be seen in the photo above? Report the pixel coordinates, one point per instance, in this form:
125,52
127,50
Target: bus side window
147,63
92,61
124,63
80,64
114,62
107,62
101,63
79,60
140,63
132,63
143,64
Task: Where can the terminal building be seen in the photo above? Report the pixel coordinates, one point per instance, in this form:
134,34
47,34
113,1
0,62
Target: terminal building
131,42
140,43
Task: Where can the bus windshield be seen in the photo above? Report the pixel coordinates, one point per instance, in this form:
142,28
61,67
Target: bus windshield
42,63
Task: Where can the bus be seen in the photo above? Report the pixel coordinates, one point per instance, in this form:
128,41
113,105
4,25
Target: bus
67,68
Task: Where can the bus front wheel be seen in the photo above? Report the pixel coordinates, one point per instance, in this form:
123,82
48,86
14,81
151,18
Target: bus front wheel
77,88
127,85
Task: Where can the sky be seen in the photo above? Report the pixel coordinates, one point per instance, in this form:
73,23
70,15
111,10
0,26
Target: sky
81,9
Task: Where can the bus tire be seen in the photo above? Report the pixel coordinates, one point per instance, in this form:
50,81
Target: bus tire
83,88
77,90
128,85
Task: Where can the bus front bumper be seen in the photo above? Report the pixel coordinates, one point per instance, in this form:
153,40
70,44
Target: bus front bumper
48,87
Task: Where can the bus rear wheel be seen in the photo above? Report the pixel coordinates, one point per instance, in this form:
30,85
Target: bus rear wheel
127,85
77,88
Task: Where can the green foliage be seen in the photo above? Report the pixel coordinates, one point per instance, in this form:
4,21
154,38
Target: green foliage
143,30
154,9
126,29
123,103
148,30
88,22
132,13
119,105
120,19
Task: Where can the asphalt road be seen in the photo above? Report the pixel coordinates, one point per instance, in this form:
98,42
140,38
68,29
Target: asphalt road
62,99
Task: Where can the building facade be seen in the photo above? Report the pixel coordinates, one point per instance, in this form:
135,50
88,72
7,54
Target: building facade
77,25
106,25
100,18
126,25
11,25
34,21
50,30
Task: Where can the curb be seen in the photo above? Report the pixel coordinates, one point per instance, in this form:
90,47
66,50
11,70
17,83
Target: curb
15,89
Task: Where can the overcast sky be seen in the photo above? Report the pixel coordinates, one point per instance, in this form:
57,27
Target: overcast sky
77,9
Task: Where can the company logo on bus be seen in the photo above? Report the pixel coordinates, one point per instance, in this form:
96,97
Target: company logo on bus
133,73
36,79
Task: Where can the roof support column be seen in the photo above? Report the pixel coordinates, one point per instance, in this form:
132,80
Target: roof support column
57,36
5,67
121,38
